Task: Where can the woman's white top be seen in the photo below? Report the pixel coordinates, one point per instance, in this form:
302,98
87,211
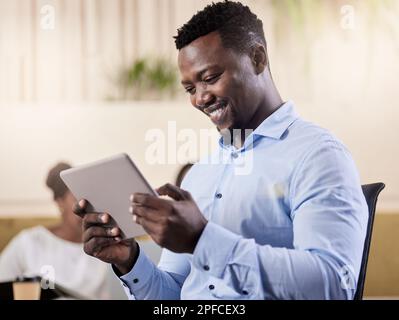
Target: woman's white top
38,252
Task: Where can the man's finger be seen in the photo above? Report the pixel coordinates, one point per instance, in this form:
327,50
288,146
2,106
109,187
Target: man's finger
94,246
147,200
173,191
90,219
101,232
147,213
149,226
79,208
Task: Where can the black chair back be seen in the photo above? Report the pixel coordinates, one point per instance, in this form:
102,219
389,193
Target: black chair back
371,192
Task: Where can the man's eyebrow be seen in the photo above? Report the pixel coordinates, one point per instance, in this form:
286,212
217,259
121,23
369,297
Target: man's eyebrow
199,73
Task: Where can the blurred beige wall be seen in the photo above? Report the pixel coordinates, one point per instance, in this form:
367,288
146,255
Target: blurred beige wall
33,138
338,60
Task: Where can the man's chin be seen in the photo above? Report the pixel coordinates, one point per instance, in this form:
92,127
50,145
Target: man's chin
223,129
228,126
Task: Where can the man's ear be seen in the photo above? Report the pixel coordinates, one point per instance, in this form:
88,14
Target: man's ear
259,58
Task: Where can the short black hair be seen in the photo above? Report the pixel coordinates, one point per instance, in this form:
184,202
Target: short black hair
54,181
237,26
182,173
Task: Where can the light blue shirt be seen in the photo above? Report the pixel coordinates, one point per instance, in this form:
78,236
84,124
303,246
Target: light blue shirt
287,220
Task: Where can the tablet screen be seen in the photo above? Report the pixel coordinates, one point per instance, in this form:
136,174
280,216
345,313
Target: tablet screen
107,184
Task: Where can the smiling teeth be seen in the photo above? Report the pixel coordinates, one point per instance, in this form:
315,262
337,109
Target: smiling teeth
217,112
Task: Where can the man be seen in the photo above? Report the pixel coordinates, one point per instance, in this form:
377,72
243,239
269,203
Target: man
291,228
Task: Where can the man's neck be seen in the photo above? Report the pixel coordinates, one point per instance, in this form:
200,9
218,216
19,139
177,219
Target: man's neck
271,102
264,111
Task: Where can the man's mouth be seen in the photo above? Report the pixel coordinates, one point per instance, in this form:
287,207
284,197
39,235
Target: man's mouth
217,112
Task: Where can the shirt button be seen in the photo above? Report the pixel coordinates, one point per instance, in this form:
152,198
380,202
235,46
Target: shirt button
206,268
219,195
211,287
135,280
245,292
234,155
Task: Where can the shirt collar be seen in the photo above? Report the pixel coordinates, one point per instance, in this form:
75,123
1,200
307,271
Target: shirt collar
273,126
278,122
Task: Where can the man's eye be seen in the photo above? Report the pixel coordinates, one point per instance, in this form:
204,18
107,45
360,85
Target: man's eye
212,79
190,90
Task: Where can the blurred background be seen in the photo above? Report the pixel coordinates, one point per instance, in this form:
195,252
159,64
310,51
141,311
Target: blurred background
84,79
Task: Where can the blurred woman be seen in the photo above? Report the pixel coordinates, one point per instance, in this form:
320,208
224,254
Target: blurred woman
56,253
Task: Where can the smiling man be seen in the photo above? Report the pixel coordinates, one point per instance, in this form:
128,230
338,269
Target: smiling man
292,228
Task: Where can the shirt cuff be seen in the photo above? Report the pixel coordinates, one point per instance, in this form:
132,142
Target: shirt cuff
139,276
214,249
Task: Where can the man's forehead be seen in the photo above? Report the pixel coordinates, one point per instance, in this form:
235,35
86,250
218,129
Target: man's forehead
206,50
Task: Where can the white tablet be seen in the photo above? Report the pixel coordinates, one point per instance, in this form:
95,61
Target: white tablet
107,184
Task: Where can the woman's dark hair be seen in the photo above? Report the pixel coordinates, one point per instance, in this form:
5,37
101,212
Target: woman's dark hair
182,173
54,181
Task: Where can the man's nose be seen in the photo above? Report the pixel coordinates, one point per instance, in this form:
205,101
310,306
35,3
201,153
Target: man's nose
203,98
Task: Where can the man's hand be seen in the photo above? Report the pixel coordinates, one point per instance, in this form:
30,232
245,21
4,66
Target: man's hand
175,225
104,240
